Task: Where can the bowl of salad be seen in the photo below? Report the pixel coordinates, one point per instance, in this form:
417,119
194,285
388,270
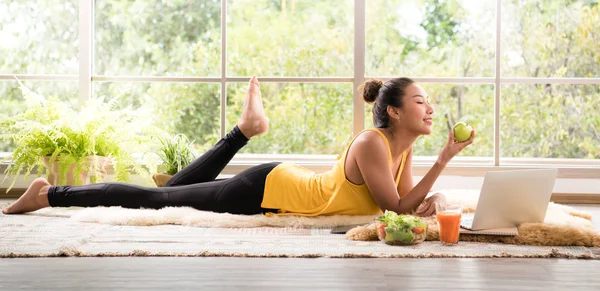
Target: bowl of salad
400,229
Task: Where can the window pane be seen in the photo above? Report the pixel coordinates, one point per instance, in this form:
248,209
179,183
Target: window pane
304,118
550,121
190,109
290,38
142,37
39,37
12,101
473,104
454,38
541,37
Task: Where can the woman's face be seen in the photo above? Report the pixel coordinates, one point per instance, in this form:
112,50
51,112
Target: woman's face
417,113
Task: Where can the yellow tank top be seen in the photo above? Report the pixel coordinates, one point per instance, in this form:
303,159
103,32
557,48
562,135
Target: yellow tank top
295,190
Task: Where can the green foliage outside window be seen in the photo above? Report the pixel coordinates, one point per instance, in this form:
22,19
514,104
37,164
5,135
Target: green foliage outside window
302,38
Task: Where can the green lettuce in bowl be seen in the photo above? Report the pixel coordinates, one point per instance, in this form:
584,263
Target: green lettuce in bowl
395,229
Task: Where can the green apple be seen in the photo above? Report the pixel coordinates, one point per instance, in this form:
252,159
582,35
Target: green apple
462,131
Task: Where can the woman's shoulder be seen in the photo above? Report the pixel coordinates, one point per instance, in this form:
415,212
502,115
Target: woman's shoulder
369,139
371,135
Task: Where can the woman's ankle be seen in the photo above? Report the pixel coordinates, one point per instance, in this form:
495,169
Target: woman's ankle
42,197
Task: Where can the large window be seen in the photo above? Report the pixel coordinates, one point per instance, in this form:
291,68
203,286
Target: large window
157,38
523,72
39,37
430,38
551,121
301,38
305,118
188,108
554,118
550,38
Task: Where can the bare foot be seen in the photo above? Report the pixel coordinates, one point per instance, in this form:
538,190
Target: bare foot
36,197
253,121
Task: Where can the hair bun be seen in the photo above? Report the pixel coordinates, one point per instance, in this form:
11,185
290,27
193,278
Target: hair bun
371,90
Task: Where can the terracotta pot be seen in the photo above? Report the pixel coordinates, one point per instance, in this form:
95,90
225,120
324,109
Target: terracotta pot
84,176
160,179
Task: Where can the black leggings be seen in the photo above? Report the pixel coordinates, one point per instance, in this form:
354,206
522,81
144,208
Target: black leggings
194,186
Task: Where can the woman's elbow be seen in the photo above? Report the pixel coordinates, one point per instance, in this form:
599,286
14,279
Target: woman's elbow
404,208
396,208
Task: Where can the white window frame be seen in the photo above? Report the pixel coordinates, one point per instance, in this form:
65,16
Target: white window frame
464,166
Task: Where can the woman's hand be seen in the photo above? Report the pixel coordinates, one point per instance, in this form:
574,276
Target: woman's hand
427,208
453,147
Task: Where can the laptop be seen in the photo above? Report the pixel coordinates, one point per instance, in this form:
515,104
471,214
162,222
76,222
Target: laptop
509,198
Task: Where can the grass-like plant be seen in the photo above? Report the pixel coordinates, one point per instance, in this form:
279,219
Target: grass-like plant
175,153
49,127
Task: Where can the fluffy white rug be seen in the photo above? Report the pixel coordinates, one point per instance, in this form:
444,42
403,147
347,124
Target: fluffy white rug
557,214
39,236
191,217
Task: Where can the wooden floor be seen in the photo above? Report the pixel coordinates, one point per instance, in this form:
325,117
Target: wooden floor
175,273
171,273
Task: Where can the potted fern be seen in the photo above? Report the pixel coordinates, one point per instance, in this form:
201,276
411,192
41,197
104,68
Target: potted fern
175,153
72,147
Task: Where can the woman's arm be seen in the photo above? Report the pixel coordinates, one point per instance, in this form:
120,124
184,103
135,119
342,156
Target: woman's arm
406,185
415,197
406,177
417,194
372,160
412,196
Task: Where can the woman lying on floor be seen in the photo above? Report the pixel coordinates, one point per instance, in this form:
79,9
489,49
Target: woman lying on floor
373,174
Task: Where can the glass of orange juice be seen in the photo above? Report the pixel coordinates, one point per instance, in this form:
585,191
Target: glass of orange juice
448,218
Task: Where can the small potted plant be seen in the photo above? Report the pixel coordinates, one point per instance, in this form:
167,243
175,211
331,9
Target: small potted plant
72,147
175,153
